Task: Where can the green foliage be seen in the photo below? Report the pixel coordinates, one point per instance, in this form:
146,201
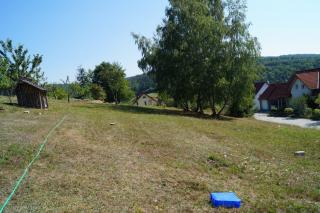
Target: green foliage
80,92
16,63
317,101
127,93
299,106
4,79
203,54
316,114
141,83
97,92
60,93
308,112
166,100
280,69
288,111
241,107
112,78
274,111
84,78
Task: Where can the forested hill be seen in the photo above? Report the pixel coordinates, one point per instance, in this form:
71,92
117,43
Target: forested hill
275,69
280,69
141,83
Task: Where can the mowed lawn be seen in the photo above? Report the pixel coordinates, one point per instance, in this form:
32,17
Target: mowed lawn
153,160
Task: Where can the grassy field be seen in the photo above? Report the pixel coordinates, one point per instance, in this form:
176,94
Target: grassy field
154,160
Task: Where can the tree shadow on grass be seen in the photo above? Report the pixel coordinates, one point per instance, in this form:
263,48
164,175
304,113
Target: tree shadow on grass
11,104
155,111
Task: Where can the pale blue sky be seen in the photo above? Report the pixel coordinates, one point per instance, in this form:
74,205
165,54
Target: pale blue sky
69,33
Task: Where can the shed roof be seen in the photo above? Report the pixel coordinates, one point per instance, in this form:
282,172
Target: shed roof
24,80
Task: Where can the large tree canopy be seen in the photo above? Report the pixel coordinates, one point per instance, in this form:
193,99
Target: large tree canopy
203,53
112,78
16,63
20,63
4,80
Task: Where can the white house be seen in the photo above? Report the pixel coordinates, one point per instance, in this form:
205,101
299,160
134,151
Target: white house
278,95
305,83
150,99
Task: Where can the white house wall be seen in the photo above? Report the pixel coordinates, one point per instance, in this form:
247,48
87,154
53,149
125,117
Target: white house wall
145,100
299,89
265,105
256,98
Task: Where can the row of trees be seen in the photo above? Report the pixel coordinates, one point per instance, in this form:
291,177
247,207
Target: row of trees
281,68
106,82
203,55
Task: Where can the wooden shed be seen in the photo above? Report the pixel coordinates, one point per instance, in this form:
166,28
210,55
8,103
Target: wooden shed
31,95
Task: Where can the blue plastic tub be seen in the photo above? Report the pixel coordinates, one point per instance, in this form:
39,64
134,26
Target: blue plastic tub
225,199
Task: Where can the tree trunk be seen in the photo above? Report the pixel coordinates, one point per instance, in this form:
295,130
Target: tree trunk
213,107
201,108
197,107
115,97
221,110
186,107
10,95
199,104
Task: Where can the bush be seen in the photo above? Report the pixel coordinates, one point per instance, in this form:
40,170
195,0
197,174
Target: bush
316,114
60,93
241,107
274,111
299,106
97,92
79,92
308,113
317,101
288,111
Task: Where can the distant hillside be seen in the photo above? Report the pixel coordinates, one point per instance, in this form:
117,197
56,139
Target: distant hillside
275,69
279,69
140,83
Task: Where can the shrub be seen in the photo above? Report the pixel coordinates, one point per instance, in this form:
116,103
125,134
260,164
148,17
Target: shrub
97,92
317,101
79,92
60,93
274,111
288,111
299,106
316,114
308,112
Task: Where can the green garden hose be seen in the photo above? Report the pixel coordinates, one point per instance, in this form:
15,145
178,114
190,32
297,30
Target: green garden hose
26,170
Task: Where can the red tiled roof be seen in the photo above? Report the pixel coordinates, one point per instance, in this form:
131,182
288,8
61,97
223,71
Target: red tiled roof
258,86
276,91
310,78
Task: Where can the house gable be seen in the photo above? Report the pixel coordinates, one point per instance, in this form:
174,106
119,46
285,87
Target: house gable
299,88
146,99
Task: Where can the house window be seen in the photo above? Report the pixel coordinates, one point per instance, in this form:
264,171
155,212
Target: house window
302,86
297,86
